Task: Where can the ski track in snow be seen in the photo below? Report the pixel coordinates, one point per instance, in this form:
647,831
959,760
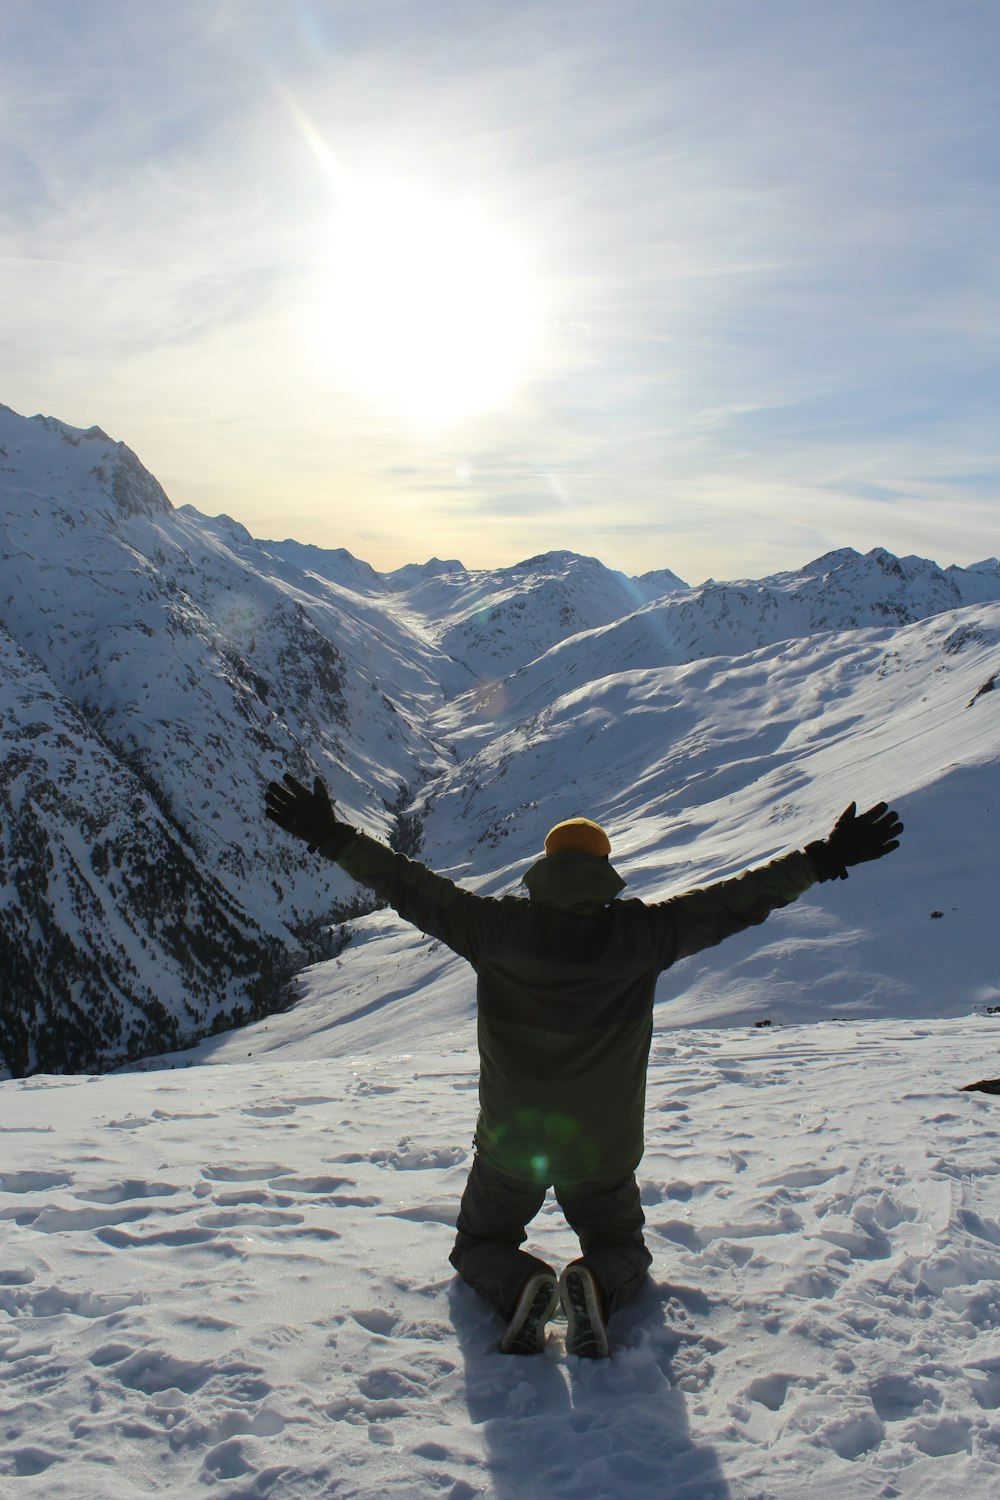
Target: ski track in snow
208,1288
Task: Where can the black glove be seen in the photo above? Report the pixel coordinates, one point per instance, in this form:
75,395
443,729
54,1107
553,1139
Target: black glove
307,815
854,840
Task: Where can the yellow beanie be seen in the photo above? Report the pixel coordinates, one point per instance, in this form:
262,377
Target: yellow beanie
580,834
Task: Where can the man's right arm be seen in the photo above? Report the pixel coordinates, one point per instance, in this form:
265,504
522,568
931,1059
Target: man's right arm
429,901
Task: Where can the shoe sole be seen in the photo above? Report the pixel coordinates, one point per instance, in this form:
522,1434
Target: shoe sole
586,1335
525,1333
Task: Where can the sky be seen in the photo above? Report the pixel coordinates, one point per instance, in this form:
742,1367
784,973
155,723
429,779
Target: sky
701,284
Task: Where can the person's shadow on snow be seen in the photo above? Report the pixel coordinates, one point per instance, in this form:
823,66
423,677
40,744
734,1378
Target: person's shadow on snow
614,1429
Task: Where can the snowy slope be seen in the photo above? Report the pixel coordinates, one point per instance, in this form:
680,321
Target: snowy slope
487,619
666,757
839,591
233,1280
698,771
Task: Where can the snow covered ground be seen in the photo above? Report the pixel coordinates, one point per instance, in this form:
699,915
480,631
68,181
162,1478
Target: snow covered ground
231,1278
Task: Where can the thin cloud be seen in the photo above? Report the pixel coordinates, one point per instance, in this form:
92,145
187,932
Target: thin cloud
766,237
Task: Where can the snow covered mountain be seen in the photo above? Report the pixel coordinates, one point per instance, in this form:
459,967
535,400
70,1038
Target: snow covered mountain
159,666
496,620
103,895
841,591
198,678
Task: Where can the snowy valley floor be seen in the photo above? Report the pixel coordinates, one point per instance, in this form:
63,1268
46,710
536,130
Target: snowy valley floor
232,1280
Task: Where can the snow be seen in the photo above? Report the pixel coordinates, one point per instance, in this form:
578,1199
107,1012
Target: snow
194,663
230,1277
225,1271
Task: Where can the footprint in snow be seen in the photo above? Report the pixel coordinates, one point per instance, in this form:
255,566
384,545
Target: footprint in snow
813,1284
769,1390
682,1232
941,1437
29,1461
54,1301
407,1157
313,1187
19,1276
896,1397
52,1220
391,1325
262,1172
801,1177
427,1213
154,1371
236,1218
124,1192
394,1382
33,1182
179,1239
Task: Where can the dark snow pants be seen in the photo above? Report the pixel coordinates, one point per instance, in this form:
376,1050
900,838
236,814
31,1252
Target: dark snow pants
606,1217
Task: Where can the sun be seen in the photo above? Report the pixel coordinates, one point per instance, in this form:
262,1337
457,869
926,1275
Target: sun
431,311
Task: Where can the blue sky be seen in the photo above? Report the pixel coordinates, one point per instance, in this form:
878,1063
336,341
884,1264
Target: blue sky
702,284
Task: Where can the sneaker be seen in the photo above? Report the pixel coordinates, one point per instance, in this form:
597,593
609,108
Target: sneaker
586,1334
525,1333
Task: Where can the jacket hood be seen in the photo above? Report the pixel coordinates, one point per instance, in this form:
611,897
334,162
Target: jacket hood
572,881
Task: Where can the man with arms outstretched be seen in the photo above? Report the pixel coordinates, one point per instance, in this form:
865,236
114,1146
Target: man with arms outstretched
566,982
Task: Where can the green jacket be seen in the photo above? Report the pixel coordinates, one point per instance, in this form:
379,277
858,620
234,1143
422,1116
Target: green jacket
566,982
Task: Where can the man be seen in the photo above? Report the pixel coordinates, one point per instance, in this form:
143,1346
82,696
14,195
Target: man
566,982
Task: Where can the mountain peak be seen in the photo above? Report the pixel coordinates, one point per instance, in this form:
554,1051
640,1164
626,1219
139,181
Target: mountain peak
832,560
40,443
72,435
413,573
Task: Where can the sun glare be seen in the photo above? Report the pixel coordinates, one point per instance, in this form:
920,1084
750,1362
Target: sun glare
430,310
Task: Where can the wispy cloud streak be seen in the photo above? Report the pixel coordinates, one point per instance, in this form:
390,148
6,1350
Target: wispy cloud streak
766,236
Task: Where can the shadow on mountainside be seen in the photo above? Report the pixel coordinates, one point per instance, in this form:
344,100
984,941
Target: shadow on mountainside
555,1425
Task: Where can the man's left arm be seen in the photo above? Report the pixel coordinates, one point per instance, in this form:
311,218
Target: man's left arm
707,915
701,918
